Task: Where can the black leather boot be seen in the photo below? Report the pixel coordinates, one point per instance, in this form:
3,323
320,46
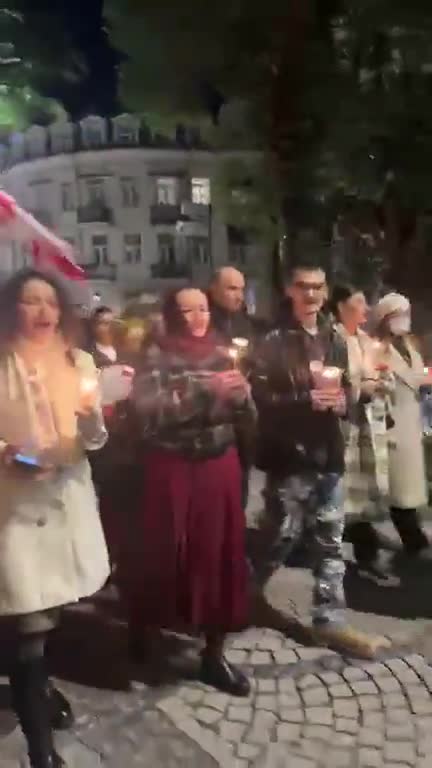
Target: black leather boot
30,700
62,716
225,677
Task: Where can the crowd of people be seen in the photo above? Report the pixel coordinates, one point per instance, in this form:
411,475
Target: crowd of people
151,490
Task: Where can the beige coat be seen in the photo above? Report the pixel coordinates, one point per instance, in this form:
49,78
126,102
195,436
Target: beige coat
407,473
52,548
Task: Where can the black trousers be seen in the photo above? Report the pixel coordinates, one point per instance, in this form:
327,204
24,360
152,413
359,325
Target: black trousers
364,539
409,527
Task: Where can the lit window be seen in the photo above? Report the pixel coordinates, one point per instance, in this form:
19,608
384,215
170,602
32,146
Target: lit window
166,249
132,249
100,250
95,191
167,190
201,191
67,197
198,250
130,195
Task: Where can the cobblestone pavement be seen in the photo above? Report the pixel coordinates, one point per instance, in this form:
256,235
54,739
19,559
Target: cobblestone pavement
309,707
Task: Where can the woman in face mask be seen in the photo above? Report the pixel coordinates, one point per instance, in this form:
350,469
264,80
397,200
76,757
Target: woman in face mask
407,473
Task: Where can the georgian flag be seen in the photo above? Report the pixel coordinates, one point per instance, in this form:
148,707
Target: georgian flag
48,250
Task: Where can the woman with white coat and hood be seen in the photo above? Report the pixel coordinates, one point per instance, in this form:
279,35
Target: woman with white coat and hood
52,549
407,473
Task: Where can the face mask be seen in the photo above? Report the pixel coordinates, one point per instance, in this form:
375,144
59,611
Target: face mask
400,325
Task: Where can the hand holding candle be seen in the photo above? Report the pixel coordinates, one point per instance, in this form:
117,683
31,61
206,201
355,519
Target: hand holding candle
238,350
88,390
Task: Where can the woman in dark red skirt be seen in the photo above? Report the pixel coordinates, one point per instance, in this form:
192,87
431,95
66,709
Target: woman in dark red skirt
192,570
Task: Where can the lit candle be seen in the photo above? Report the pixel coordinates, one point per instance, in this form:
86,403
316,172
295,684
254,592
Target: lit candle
238,349
88,385
330,377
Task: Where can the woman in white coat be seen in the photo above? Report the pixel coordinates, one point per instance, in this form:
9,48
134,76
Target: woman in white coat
407,472
52,549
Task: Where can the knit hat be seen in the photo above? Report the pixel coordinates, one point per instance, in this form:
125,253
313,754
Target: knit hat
388,305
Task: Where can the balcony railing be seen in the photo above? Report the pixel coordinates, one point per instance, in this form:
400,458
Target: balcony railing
95,212
100,271
165,214
195,212
171,271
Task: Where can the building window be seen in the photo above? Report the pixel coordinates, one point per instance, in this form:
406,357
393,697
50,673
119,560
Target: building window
100,250
201,191
95,191
67,197
198,251
132,249
130,195
238,254
167,190
166,250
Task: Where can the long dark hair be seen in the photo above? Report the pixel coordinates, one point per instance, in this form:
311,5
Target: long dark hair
340,294
10,295
174,322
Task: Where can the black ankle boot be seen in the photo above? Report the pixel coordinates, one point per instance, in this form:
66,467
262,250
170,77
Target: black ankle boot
218,673
62,717
30,700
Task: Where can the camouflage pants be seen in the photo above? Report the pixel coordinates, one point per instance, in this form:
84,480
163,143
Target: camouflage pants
308,505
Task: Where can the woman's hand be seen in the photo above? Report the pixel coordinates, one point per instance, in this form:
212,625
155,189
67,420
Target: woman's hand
329,400
9,460
88,396
229,385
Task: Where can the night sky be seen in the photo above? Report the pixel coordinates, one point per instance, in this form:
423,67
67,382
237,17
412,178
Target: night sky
97,93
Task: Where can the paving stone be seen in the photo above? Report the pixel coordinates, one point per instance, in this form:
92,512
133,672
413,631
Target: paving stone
400,751
425,746
315,696
402,732
264,720
371,737
417,662
267,686
292,715
285,700
175,708
421,707
376,669
287,685
338,758
364,687
192,695
240,714
342,691
217,701
369,703
247,751
373,720
270,644
310,654
318,732
394,700
388,684
354,674
402,671
285,656
424,724
331,678
319,715
345,708
232,731
370,758
288,732
208,716
258,736
308,681
346,725
259,658
398,716
237,657
267,701
417,693
343,739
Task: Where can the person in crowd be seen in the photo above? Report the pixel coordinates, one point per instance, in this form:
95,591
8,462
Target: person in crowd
101,342
231,321
193,570
366,456
301,448
407,473
53,551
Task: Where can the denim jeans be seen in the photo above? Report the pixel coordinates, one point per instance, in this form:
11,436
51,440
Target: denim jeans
307,505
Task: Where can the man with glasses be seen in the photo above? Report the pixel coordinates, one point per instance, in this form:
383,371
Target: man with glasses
301,449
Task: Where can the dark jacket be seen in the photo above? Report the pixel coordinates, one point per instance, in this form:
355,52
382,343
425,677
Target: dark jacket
292,437
231,325
177,412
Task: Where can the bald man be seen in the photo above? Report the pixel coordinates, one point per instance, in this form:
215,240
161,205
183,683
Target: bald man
226,293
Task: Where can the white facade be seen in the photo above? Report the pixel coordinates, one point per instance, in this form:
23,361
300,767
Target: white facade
138,216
